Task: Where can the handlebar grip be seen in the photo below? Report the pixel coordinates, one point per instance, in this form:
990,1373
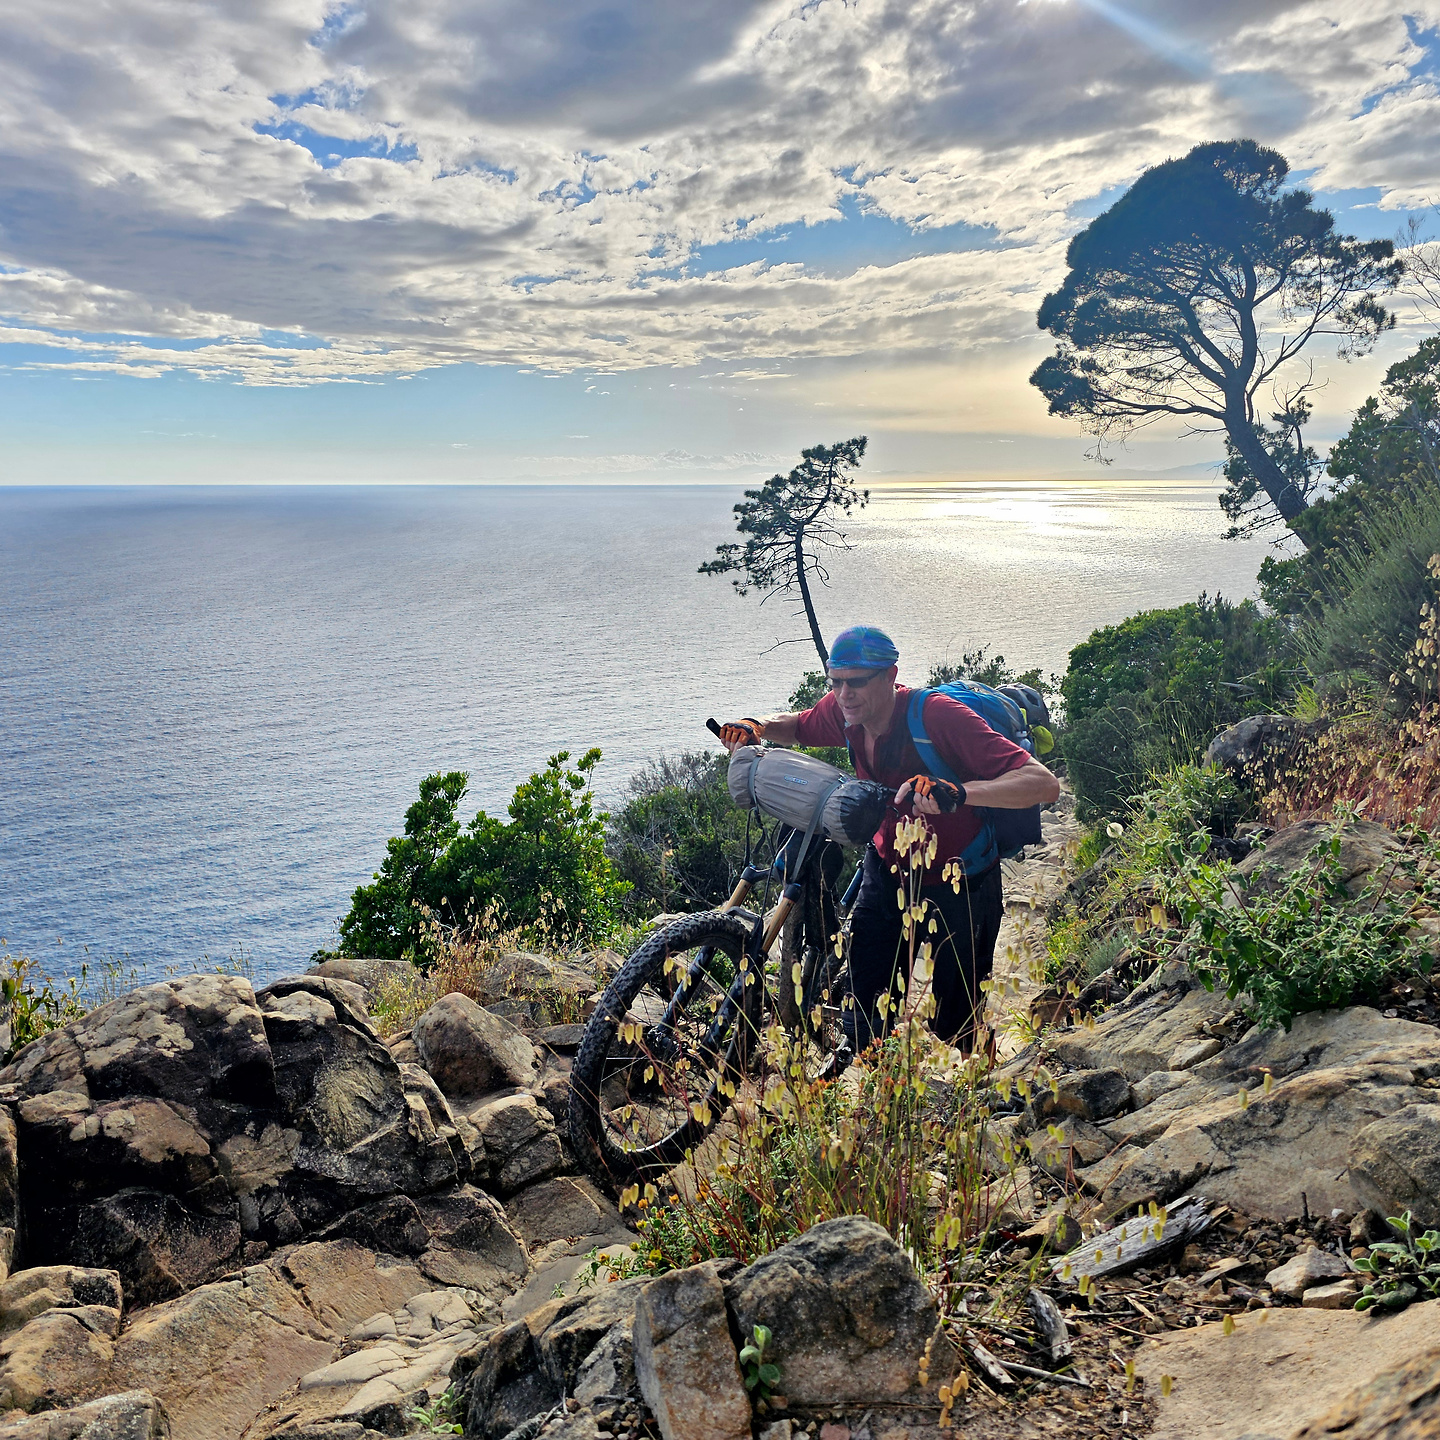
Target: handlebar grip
713,726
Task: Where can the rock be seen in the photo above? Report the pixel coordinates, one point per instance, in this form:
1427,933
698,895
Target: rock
135,1415
607,1373
1139,1035
1367,1226
370,975
404,1049
1079,1144
431,1121
1086,1094
1395,1164
1307,1269
1401,1403
552,988
562,1209
1256,747
553,1092
219,1355
1338,1077
471,1052
1338,1296
28,1293
357,1135
471,1243
1293,1366
58,1358
392,1226
1365,849
849,1316
342,1283
1156,1084
1193,1052
562,1039
507,1384
520,1140
134,1097
159,1247
568,1341
685,1360
1057,1232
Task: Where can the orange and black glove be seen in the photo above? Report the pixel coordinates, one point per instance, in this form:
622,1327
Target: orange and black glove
742,732
947,796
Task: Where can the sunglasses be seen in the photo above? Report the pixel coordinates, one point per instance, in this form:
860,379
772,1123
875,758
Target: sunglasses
859,684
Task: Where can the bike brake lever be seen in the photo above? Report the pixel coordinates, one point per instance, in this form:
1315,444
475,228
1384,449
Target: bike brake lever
713,726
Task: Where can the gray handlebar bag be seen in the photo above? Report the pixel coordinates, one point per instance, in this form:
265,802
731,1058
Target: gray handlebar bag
790,787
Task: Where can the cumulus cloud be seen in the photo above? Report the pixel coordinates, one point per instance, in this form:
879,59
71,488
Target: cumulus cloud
350,189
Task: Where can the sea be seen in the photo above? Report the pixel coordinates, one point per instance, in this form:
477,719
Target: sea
216,704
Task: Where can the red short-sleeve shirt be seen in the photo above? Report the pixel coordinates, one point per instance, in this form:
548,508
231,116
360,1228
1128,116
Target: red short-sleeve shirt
966,743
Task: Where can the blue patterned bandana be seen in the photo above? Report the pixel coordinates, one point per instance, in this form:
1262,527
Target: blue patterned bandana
863,647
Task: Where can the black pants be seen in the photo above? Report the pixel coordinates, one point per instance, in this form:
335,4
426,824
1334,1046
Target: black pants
963,945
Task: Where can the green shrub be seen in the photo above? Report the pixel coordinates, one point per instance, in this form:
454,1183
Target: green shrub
1300,942
1154,690
987,669
544,872
678,839
1363,639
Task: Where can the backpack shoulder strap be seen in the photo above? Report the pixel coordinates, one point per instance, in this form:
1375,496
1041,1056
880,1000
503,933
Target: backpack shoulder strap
929,755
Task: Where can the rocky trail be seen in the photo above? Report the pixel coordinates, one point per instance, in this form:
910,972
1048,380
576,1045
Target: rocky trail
238,1215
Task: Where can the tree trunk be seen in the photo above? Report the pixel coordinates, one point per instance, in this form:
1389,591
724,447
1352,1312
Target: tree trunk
1275,483
809,604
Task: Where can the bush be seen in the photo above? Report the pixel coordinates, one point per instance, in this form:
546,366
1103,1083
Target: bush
678,839
543,873
1365,640
1301,943
1154,690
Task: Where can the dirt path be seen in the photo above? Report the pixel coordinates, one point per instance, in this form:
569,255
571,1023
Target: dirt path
1030,886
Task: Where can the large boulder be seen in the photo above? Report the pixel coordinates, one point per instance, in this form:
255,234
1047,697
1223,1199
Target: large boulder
1395,1163
1366,849
1259,747
372,976
685,1360
219,1355
520,1142
60,1357
182,1128
120,1118
851,1319
471,1052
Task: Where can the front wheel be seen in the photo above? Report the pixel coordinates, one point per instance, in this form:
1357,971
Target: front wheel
658,1057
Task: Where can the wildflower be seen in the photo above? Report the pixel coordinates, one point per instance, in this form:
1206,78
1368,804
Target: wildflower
1114,829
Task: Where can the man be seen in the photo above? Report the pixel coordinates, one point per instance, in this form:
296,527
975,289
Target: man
866,710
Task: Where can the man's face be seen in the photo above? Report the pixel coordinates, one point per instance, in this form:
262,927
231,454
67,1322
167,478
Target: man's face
870,700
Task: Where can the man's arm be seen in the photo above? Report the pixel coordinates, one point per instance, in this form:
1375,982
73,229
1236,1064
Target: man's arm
1018,789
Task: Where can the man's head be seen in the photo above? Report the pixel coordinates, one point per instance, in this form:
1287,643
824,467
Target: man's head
862,673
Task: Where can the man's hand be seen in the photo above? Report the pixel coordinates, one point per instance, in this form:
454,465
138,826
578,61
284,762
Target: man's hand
735,733
930,796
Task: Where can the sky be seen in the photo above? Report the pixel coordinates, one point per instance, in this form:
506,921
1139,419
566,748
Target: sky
495,241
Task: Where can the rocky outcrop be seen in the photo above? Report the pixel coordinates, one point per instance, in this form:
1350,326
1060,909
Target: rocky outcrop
1259,747
1350,1116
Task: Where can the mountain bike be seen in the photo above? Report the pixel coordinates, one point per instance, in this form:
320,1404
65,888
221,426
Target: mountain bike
678,1030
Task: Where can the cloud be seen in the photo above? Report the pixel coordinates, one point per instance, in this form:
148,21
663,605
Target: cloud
325,191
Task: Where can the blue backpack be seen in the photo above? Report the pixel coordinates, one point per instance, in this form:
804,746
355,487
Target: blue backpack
1003,833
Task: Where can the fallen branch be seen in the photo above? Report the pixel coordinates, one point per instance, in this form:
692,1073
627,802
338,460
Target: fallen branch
1031,1373
1139,1241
